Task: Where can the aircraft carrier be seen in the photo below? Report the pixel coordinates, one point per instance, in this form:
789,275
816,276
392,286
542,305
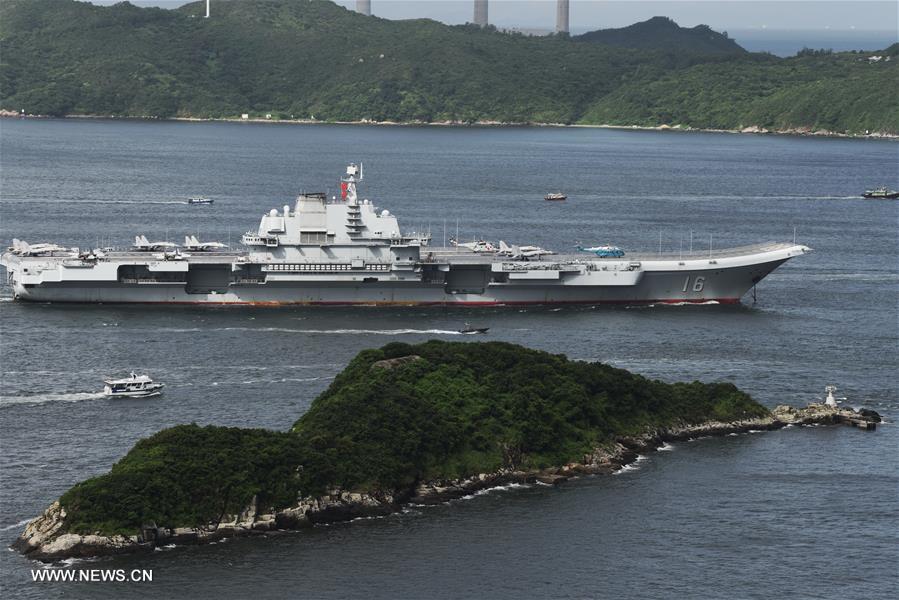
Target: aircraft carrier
345,251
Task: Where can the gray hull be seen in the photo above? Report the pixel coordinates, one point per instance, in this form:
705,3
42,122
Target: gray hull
722,285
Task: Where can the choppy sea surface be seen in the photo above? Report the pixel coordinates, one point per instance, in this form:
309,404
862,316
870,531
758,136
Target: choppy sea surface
800,513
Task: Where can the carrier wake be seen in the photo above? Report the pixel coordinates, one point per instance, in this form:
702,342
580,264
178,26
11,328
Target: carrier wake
344,251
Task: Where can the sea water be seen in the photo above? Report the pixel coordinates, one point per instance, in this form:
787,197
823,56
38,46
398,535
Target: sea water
800,512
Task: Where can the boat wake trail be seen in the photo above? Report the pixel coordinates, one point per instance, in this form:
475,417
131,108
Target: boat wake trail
875,277
282,380
89,201
348,331
6,401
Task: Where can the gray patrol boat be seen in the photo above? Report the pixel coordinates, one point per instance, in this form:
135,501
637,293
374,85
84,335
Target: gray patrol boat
344,251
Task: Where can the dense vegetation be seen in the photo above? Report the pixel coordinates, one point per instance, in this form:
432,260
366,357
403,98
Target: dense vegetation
187,475
294,59
456,410
661,33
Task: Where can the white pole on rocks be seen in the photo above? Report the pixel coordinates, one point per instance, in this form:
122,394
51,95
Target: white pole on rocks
830,400
207,9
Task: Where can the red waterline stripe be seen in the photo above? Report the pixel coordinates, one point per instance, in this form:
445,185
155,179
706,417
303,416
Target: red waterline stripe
397,303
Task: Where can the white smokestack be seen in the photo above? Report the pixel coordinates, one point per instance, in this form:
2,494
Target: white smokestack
207,9
562,16
363,7
480,13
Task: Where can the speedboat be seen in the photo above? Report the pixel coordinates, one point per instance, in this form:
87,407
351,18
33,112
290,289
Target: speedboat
200,200
881,193
468,329
134,386
555,197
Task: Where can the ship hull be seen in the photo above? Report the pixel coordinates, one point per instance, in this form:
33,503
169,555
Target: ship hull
718,285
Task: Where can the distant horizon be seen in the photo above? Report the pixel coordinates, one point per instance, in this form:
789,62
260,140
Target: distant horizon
589,15
748,23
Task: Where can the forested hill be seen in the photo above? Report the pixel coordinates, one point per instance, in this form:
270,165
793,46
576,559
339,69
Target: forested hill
297,59
661,33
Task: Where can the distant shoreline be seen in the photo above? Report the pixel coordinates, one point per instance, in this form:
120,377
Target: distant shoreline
795,131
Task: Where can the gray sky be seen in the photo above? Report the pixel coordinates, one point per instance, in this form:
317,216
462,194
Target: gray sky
811,15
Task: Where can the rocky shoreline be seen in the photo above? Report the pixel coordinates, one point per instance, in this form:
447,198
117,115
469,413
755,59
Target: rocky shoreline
45,539
753,129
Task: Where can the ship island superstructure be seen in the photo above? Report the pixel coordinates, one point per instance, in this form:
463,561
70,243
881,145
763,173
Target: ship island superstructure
345,251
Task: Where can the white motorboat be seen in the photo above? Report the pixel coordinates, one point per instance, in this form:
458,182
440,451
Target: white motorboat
134,386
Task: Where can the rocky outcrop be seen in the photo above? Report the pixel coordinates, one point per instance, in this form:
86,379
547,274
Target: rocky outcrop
45,538
392,363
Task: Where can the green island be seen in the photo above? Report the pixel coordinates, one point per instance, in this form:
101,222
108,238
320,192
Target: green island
458,410
319,62
404,423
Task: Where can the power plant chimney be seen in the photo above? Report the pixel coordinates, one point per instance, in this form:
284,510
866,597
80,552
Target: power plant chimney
363,7
480,13
562,16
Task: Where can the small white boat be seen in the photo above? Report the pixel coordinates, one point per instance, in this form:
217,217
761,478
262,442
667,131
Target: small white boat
135,386
200,200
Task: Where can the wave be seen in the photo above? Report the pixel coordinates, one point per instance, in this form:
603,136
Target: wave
634,466
666,447
16,525
45,398
706,303
498,488
626,468
654,305
68,562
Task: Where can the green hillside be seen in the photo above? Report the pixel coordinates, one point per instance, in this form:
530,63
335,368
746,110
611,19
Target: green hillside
298,59
661,33
836,92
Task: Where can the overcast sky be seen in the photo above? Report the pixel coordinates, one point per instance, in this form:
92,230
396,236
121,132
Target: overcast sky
820,15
